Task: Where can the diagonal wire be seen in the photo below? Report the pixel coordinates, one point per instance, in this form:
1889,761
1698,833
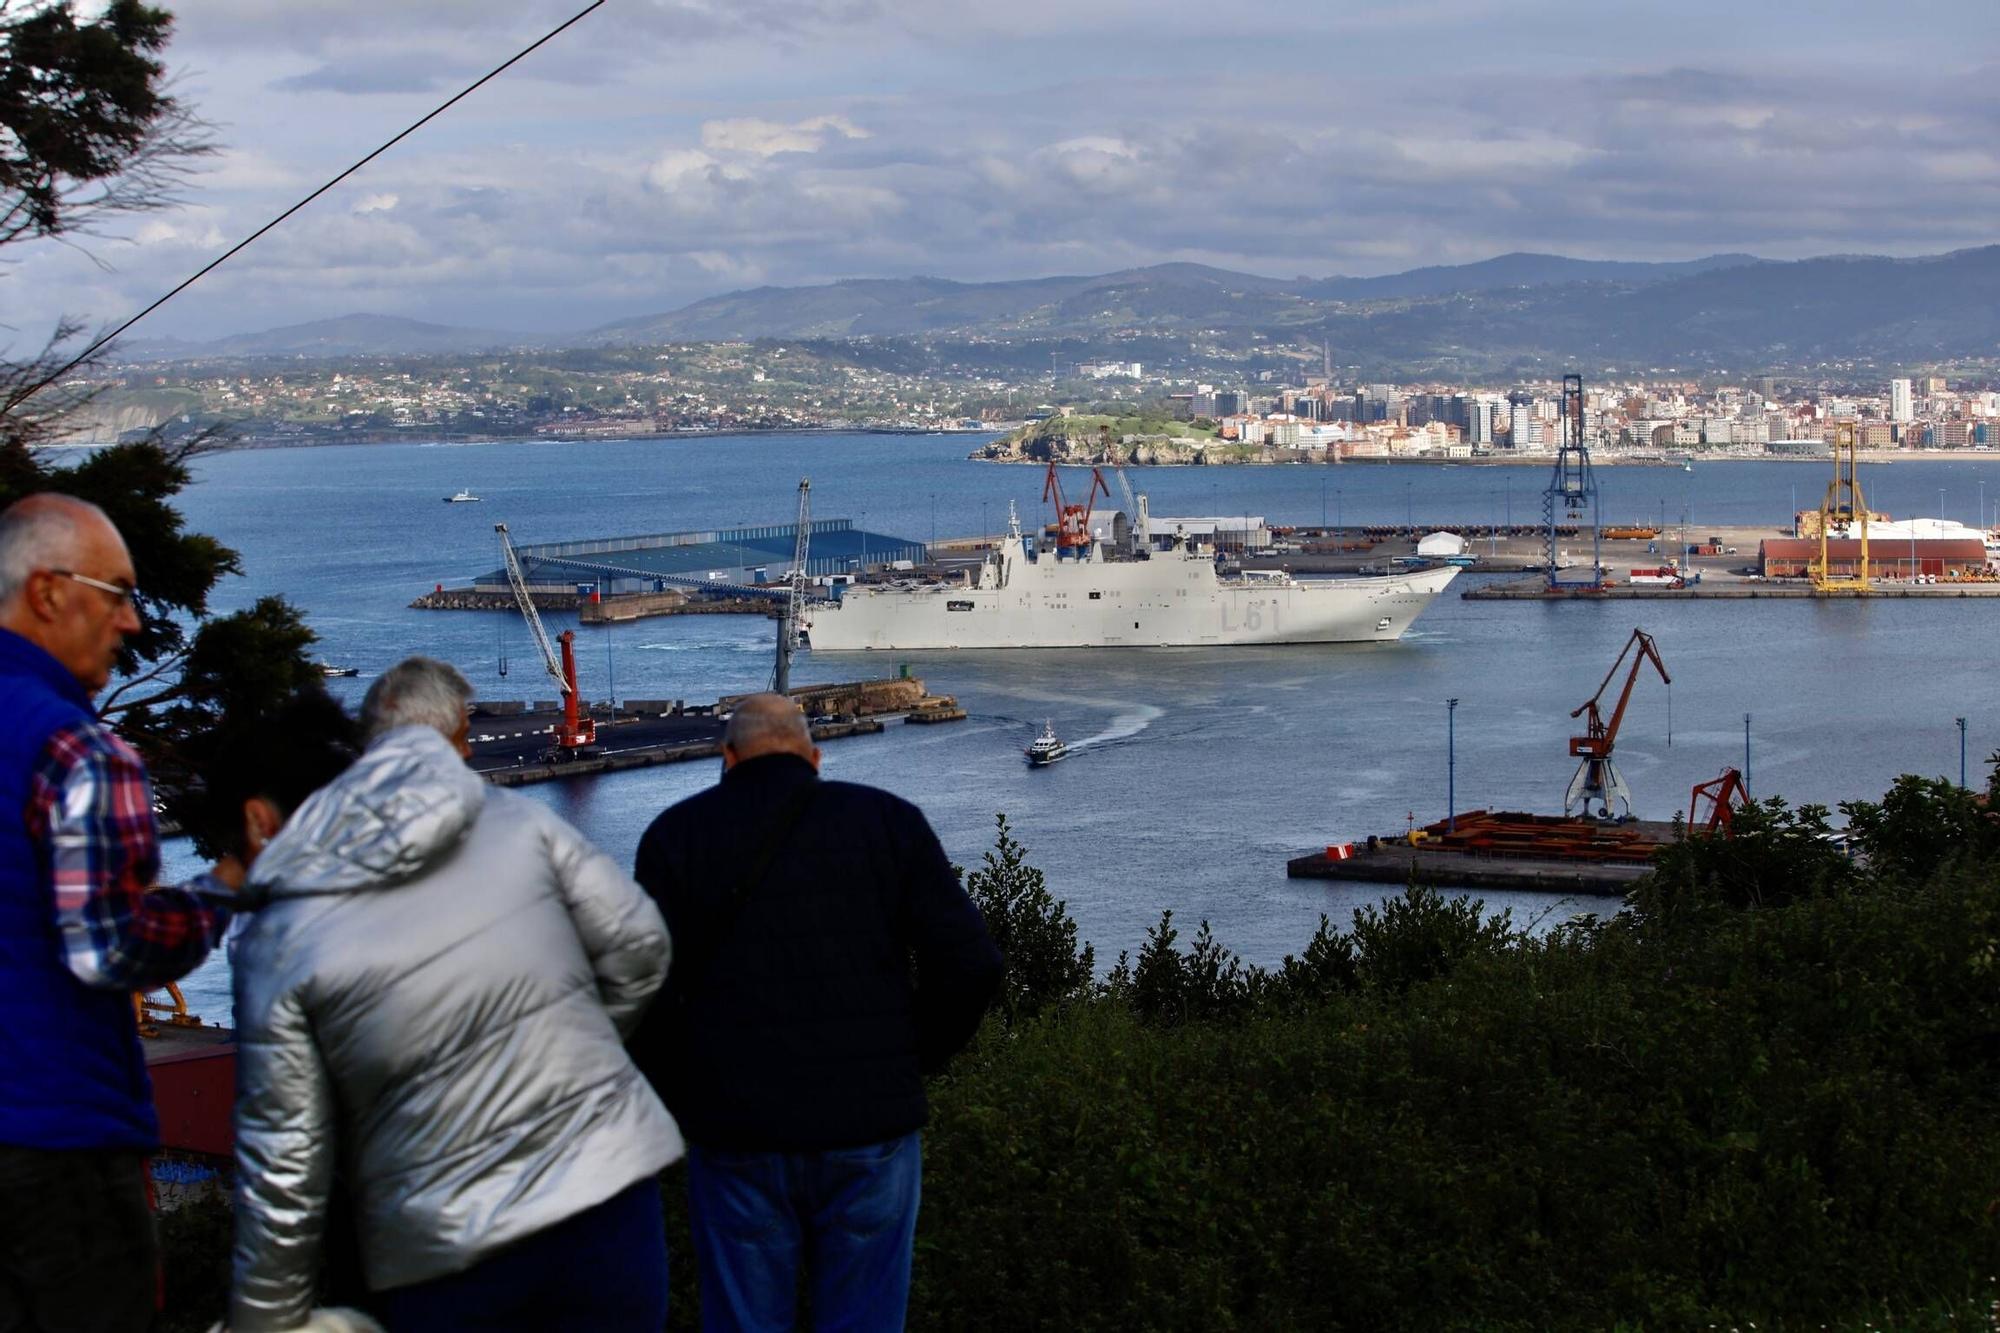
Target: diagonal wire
219,260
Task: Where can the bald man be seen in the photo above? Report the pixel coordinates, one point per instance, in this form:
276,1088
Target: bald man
826,959
81,928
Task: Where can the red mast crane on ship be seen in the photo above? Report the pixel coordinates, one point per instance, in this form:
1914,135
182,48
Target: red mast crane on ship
1073,521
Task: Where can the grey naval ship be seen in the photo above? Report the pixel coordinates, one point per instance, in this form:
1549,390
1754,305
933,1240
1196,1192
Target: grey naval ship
1076,595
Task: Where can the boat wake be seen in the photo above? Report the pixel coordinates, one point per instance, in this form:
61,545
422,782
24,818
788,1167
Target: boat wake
1123,726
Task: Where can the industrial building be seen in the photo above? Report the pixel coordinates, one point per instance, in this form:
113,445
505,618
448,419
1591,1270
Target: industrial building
1891,558
688,560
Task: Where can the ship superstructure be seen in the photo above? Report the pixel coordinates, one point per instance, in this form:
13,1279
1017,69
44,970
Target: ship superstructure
1053,598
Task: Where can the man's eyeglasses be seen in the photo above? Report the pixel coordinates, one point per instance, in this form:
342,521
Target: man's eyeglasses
118,590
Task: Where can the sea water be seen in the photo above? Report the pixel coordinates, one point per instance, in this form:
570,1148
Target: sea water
1195,773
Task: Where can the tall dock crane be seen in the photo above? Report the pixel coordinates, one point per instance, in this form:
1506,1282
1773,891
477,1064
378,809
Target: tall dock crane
791,622
577,731
1843,506
1073,521
1597,778
1571,494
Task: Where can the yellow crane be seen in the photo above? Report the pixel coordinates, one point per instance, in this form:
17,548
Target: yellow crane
1843,503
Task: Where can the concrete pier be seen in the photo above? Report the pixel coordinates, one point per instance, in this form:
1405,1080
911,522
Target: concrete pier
511,741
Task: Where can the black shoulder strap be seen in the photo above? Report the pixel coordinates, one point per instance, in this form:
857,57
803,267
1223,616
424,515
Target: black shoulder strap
774,836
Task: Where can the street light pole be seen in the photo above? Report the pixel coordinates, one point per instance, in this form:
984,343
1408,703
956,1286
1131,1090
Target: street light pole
1961,751
1746,754
1451,765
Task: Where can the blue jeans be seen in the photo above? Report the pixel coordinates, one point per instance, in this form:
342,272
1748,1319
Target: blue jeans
601,1271
844,1215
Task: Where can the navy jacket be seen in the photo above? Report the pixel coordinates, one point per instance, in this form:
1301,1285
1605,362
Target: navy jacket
803,1018
71,1071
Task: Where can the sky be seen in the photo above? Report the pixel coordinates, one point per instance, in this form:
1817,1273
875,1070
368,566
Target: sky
661,151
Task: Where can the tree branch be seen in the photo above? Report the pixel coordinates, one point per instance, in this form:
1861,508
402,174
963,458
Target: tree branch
110,707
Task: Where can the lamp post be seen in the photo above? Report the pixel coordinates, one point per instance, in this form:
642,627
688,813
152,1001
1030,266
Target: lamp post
1746,754
1451,765
1322,504
1961,750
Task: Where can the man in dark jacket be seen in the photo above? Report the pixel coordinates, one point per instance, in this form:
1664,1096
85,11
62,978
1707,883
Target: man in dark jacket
795,1030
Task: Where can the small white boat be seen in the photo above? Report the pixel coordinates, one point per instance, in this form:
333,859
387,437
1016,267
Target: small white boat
1046,749
462,498
329,669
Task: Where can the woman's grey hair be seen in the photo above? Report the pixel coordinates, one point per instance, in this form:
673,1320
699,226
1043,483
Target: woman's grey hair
39,532
417,691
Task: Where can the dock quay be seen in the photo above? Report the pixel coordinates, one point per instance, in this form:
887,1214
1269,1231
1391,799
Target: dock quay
1499,850
510,740
600,610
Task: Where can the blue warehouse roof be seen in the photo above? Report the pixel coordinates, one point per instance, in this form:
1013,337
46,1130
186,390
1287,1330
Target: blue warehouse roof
687,559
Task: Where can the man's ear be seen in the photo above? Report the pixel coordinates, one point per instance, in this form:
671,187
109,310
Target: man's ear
815,759
729,757
261,821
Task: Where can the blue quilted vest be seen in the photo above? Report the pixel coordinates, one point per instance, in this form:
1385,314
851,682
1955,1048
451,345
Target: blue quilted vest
72,1074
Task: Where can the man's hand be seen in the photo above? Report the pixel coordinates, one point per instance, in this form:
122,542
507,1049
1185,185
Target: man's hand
230,870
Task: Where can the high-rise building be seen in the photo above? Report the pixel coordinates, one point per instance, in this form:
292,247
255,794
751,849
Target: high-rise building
1480,420
1902,405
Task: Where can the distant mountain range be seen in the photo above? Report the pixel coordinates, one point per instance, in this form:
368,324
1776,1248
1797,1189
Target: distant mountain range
1510,312
346,335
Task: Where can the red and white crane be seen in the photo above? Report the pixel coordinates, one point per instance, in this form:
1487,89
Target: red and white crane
1073,521
578,730
1597,779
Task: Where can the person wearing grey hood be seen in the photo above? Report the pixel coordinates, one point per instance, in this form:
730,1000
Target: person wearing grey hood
433,997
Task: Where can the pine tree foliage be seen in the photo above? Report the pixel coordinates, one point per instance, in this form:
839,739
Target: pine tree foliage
1036,936
88,128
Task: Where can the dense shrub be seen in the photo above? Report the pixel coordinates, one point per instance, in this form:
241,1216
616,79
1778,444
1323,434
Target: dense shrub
1769,1093
1788,1114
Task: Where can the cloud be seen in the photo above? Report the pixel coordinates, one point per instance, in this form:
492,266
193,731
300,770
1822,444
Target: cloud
665,150
765,138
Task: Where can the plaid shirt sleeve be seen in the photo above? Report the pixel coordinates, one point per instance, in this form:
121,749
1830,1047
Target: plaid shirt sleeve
91,806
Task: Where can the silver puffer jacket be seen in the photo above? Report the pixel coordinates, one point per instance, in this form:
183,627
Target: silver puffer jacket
433,997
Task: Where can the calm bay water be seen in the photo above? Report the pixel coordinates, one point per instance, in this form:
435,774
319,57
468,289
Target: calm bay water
1196,772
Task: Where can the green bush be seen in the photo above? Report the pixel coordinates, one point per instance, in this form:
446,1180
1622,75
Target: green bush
1769,1094
1789,1114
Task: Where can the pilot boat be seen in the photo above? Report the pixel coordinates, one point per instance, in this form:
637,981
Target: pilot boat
1046,748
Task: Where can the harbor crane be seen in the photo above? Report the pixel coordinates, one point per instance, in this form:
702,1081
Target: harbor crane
1598,784
1843,508
1142,521
1141,532
1723,797
577,732
791,616
1073,521
1571,494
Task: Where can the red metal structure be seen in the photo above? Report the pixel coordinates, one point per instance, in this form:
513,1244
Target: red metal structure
1597,779
1724,795
1073,521
578,731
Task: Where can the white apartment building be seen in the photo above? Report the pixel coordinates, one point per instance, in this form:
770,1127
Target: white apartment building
1902,404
